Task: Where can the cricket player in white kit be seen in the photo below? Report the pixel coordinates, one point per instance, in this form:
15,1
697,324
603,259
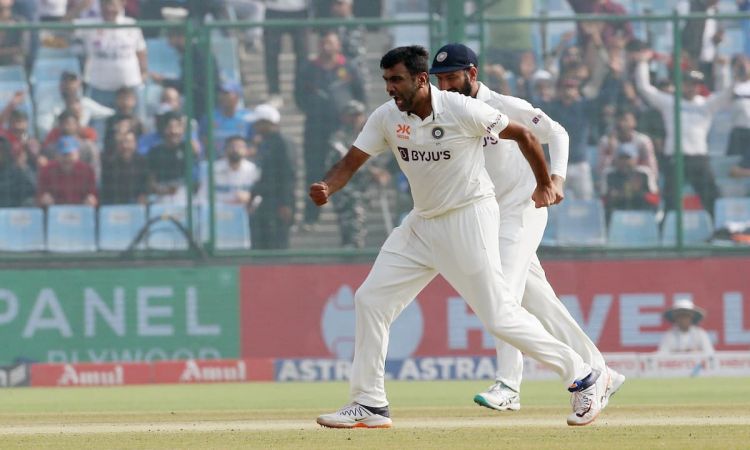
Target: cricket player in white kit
437,138
521,224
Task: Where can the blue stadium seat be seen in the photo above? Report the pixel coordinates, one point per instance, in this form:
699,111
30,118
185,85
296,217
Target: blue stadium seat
54,53
9,88
164,235
163,58
71,228
581,222
633,229
119,225
21,229
51,69
731,209
721,164
12,73
733,187
697,228
232,227
225,51
550,232
411,34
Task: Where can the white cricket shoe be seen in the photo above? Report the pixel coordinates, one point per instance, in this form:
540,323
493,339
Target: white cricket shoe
587,398
355,415
499,397
616,380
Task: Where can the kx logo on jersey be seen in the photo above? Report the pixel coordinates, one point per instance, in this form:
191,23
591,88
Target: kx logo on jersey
403,131
426,156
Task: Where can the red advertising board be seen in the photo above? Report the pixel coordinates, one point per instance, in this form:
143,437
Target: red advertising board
306,311
212,371
120,374
93,374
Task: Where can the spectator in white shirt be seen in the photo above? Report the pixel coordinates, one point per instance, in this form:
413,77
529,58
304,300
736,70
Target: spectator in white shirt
115,57
685,335
234,175
696,115
70,93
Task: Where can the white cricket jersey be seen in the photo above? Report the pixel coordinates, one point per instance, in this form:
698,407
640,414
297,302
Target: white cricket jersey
442,156
510,172
111,54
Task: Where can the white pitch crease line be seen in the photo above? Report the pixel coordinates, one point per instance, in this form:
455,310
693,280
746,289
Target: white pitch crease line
281,425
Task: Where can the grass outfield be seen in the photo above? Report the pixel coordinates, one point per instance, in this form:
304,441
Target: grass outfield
645,414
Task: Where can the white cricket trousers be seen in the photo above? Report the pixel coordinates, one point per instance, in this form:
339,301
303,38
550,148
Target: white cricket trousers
461,245
521,230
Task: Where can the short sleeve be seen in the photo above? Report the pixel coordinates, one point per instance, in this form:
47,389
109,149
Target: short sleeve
371,139
480,118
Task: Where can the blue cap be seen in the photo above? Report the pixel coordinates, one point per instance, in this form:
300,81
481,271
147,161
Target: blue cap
67,145
231,86
453,57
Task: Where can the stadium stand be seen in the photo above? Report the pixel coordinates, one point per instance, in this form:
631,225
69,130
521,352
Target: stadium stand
21,230
164,235
119,225
633,229
581,222
731,210
697,228
71,228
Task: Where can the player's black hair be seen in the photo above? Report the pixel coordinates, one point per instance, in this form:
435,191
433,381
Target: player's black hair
414,57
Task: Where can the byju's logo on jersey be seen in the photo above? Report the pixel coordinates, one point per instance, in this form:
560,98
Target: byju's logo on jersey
403,131
438,132
423,155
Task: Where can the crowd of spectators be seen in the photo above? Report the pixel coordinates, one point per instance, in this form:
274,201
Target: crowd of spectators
613,92
603,81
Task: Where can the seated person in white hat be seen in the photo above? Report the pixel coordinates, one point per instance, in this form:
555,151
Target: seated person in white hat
685,336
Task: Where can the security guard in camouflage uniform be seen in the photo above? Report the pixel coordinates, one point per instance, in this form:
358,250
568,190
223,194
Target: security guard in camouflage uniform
349,202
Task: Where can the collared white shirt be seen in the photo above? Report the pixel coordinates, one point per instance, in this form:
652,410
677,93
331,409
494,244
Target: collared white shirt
111,60
228,181
694,340
510,172
442,156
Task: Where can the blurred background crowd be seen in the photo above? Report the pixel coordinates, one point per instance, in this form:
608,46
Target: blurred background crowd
99,117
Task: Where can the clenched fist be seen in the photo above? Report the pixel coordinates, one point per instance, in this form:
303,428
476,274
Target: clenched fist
319,193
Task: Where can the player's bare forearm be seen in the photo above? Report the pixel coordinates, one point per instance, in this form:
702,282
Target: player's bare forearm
338,176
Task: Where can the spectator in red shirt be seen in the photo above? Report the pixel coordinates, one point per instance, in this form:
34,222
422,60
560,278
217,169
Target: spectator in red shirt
70,126
67,179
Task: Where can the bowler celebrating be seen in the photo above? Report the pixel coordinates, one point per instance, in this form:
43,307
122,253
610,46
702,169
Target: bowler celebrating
437,138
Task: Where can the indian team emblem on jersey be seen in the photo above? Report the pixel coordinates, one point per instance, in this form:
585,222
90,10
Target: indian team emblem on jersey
403,131
441,56
438,132
337,327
